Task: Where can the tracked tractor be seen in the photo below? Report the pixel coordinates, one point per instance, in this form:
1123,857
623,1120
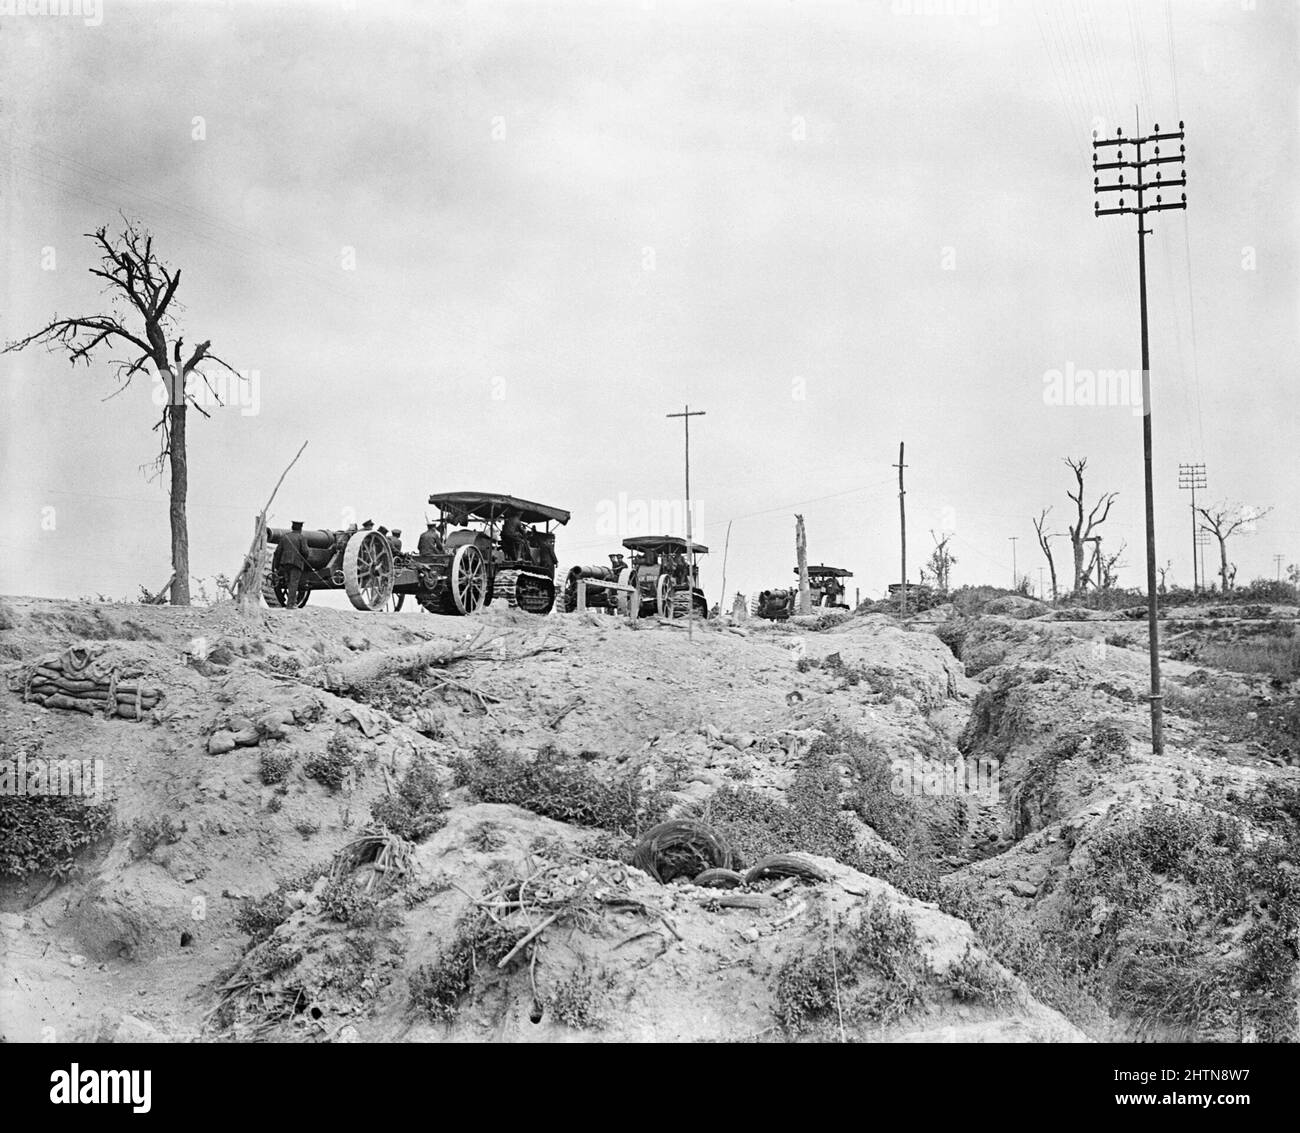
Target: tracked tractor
665,582
825,589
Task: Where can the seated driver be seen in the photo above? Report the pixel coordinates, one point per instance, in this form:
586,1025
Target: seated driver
512,538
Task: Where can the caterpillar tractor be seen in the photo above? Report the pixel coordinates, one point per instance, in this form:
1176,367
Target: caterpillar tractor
495,552
824,588
661,574
498,553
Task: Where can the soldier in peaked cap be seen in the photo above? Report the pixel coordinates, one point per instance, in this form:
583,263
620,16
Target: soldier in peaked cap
290,559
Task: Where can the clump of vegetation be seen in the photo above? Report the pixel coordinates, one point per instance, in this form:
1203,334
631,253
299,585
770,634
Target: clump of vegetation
150,833
841,775
259,917
874,974
417,810
578,1000
879,680
1163,892
274,764
1275,654
44,834
332,766
480,943
977,979
559,787
307,828
1236,718
1053,974
344,901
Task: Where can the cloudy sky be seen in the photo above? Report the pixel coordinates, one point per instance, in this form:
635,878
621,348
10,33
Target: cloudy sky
491,245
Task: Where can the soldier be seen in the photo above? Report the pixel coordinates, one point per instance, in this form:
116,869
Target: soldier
430,541
395,540
369,525
512,538
291,558
831,590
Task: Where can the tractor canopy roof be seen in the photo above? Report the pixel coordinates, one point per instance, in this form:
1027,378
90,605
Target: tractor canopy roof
493,505
663,543
827,571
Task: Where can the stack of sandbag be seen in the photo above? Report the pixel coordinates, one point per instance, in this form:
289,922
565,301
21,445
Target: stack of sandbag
73,680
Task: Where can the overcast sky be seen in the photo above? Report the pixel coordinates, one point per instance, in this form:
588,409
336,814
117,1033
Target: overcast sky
490,245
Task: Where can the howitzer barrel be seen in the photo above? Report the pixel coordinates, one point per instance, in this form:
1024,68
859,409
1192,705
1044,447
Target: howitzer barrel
604,573
320,540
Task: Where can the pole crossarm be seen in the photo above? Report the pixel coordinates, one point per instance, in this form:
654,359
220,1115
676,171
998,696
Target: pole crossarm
1140,187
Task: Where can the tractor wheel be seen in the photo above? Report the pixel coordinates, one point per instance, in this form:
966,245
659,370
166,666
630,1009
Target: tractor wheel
368,570
469,579
664,596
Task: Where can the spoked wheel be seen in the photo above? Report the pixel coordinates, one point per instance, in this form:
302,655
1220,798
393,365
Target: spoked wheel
469,579
276,596
664,596
368,570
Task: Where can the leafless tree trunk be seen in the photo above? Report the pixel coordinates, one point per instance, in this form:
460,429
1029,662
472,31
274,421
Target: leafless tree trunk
1044,541
1081,531
941,562
1221,521
801,557
135,274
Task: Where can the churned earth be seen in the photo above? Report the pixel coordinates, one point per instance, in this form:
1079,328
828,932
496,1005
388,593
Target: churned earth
253,880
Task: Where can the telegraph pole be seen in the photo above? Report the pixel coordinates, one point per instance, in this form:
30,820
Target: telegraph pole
1142,188
686,415
902,524
1277,562
1192,476
1015,573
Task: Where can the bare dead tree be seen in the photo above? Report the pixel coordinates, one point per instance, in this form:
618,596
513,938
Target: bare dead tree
941,562
1081,531
146,334
1045,542
1108,567
1221,521
1164,574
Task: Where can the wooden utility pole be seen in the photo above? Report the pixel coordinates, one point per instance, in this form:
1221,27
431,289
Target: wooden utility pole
902,526
1192,476
686,416
1015,571
1142,187
801,560
722,596
1277,562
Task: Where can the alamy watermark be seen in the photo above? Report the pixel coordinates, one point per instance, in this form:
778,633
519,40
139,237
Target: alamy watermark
91,11
218,389
62,778
934,778
985,11
627,516
1094,388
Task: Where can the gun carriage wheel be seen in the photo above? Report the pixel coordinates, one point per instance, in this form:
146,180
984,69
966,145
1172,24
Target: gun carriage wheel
368,570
